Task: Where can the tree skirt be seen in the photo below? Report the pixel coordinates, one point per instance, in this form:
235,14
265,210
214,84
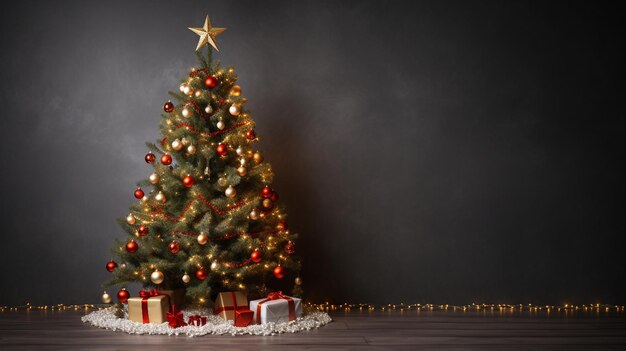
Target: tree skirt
215,325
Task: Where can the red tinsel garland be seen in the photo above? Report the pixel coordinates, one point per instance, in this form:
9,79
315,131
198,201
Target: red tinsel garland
209,134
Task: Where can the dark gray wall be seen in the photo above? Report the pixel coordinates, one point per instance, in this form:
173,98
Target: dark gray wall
427,152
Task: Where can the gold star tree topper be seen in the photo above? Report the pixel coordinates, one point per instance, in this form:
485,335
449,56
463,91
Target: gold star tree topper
207,34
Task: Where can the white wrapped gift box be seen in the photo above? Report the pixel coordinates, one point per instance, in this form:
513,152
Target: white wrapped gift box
275,310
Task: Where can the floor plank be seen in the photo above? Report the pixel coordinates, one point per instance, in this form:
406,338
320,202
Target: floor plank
63,330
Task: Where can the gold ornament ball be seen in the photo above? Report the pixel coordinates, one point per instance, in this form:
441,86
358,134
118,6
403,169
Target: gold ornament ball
234,110
267,203
222,181
254,215
198,93
235,90
221,125
208,109
154,178
160,197
191,149
231,192
202,239
258,158
298,281
130,219
157,277
242,171
186,112
106,298
186,278
177,145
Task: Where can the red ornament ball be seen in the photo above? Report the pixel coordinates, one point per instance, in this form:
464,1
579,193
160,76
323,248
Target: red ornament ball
222,149
210,82
274,196
111,265
150,158
168,107
123,295
256,256
143,230
279,272
290,247
166,159
250,134
174,247
131,246
266,192
188,181
201,274
139,193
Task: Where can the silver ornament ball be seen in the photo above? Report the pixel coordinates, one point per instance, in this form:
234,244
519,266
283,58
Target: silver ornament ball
202,239
157,277
186,112
160,197
234,110
154,178
106,298
230,192
130,219
177,145
242,171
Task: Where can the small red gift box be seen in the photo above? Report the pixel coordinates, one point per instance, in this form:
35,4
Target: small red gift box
197,320
243,318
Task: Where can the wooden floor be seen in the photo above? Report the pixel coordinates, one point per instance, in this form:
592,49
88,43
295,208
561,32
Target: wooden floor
350,330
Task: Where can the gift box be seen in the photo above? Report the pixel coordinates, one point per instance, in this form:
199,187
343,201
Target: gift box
243,318
177,296
197,320
175,317
276,308
150,307
233,306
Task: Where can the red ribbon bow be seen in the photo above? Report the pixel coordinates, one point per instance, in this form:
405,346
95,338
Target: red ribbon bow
275,295
175,317
197,320
148,293
145,295
278,295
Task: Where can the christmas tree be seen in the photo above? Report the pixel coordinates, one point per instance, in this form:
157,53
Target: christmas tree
211,221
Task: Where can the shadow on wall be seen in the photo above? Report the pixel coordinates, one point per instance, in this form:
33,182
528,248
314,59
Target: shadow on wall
285,146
